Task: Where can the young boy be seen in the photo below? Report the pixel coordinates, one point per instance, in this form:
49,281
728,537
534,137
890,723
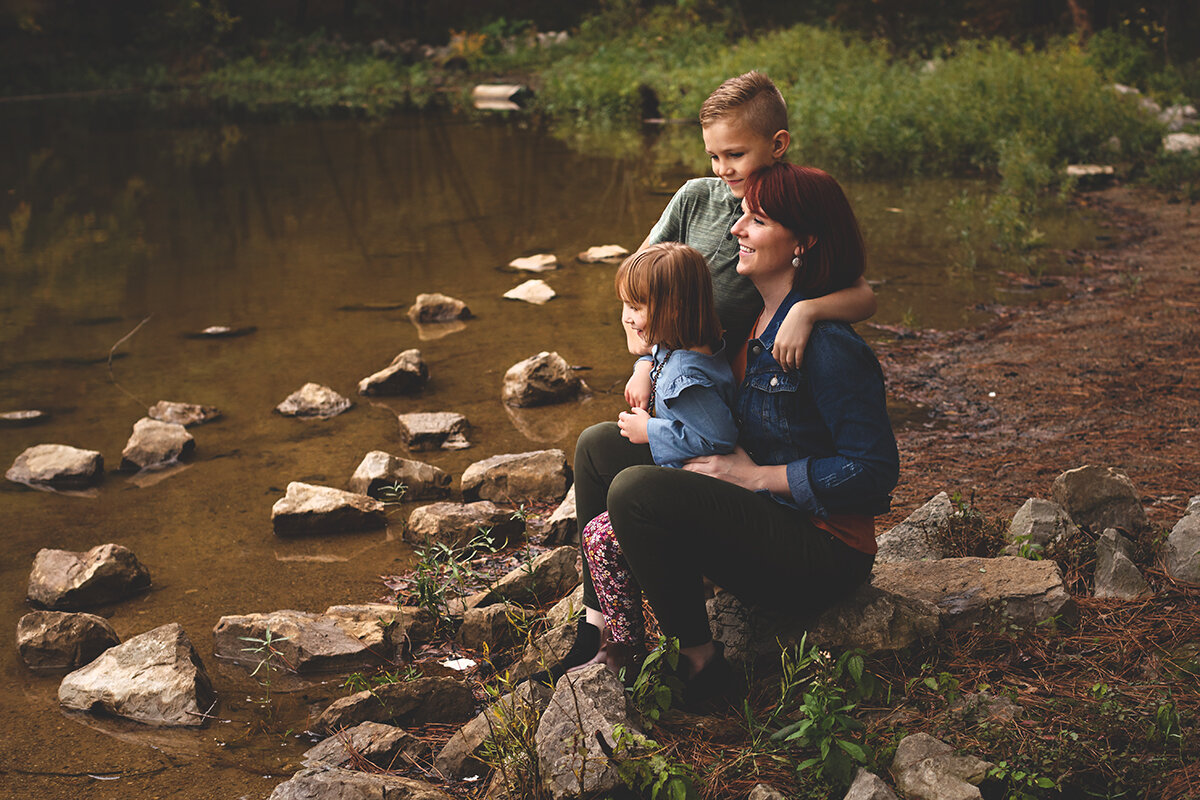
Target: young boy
744,124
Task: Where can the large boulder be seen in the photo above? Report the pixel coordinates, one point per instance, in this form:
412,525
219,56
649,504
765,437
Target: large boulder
586,705
156,444
185,414
414,702
927,769
1100,497
313,400
916,538
971,592
405,375
385,746
1039,526
437,307
548,577
521,708
325,783
67,581
456,524
437,430
541,380
379,471
57,465
156,678
1117,577
383,627
56,641
541,475
1181,552
871,619
304,642
309,509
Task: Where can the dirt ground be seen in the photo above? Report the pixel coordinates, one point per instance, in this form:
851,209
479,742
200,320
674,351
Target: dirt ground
1108,374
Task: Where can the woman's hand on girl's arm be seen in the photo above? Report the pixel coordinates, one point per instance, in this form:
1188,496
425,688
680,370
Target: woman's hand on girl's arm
740,470
853,304
637,388
633,425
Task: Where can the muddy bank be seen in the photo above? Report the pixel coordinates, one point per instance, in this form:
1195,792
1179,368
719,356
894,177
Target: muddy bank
1108,373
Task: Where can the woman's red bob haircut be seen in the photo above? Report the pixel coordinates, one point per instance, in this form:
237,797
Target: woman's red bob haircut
810,203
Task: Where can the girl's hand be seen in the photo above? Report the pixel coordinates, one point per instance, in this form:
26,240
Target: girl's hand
633,425
793,335
637,389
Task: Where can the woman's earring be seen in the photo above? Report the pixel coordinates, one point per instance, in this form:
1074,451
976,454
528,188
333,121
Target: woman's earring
796,261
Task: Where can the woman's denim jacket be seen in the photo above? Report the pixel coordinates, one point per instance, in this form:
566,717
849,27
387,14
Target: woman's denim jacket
827,421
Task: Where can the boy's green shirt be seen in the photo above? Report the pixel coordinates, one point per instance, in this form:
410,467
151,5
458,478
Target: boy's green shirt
700,215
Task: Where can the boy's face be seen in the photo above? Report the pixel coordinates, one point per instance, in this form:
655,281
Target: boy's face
737,151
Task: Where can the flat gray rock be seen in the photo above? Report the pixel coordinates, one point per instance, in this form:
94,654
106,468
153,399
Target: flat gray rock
156,678
385,746
537,476
305,642
307,510
415,702
384,627
57,465
456,524
325,783
548,577
313,400
436,430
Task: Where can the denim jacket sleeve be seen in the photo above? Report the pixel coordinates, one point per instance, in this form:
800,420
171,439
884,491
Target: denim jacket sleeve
846,387
709,428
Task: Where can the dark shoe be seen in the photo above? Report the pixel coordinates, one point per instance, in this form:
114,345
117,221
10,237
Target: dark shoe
587,643
711,686
617,656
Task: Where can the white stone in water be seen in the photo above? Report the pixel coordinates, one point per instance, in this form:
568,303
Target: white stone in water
534,291
603,252
542,262
57,465
309,509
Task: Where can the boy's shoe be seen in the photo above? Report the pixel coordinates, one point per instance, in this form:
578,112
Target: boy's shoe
712,686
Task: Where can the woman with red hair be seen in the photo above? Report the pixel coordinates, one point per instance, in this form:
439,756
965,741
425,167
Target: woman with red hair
785,522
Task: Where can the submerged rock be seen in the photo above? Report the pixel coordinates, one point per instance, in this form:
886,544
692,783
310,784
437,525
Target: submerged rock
156,678
185,414
17,419
541,380
380,472
456,524
405,375
438,308
305,642
439,430
313,400
309,509
55,641
156,444
1100,497
58,465
66,580
541,475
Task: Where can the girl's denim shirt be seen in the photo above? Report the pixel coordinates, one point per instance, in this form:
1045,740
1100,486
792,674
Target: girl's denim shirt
827,421
693,414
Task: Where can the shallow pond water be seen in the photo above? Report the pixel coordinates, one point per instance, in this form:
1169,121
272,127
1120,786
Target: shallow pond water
111,217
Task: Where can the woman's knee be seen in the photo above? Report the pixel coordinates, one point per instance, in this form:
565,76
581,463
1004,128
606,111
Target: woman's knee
632,487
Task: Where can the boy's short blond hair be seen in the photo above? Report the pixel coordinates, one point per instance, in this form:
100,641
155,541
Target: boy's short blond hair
753,98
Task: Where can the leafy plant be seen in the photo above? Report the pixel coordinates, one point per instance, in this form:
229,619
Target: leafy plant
644,767
657,685
1019,783
270,658
391,493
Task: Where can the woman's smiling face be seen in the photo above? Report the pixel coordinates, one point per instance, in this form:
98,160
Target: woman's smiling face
764,246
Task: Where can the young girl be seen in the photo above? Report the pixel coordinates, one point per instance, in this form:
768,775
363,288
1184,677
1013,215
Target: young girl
667,297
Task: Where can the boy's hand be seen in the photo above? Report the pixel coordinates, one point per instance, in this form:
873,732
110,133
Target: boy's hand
637,388
633,425
793,335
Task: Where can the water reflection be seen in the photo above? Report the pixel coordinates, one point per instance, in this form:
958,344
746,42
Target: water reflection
108,217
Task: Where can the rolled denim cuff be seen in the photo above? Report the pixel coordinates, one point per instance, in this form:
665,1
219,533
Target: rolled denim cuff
802,490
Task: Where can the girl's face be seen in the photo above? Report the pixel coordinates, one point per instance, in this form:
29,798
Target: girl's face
764,246
633,315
